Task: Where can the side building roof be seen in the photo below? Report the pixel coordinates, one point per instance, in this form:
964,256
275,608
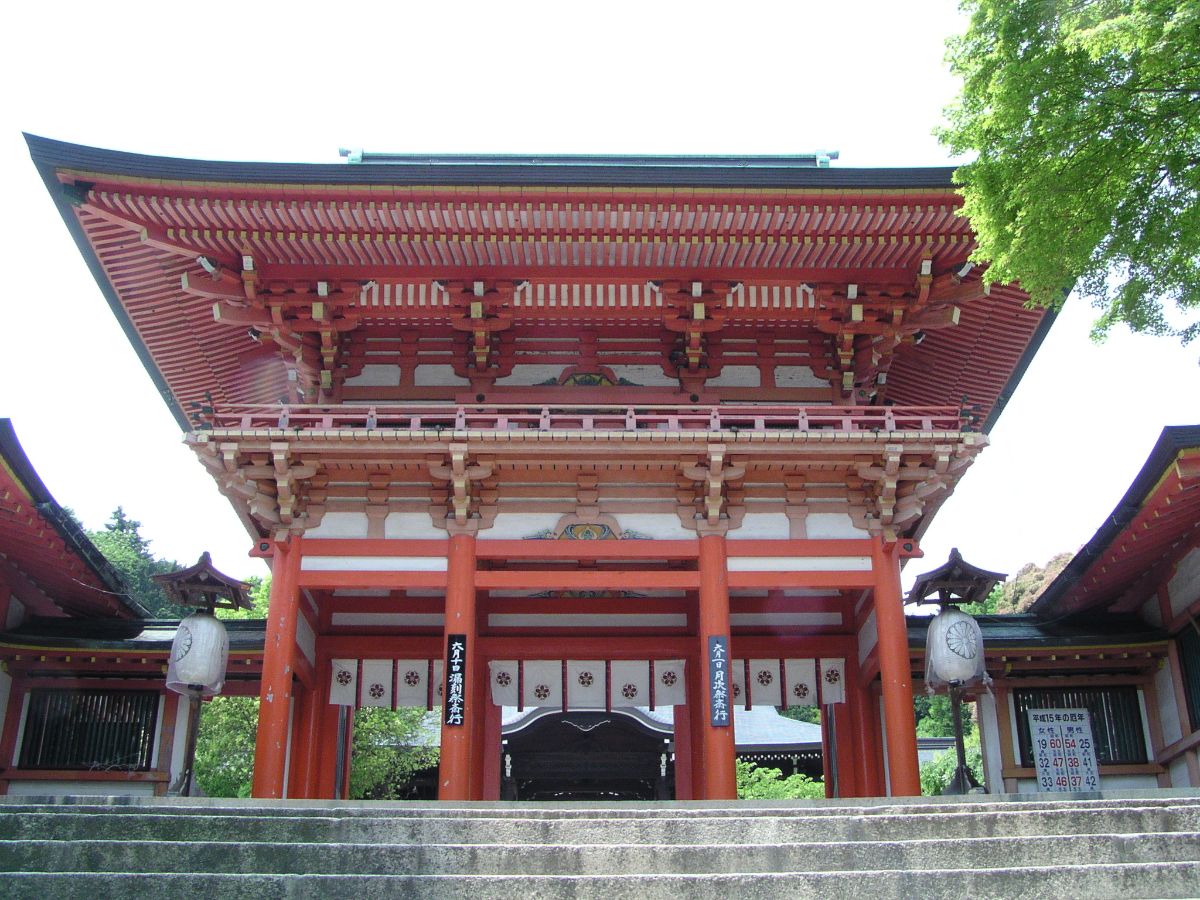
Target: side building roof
59,570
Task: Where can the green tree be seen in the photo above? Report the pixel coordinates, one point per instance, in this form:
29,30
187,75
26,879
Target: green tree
225,746
260,598
810,714
121,542
756,782
934,718
388,750
1084,116
936,774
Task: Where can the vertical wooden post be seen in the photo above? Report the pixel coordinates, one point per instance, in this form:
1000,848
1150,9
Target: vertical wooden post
491,749
477,710
279,653
717,776
454,769
895,668
684,728
866,720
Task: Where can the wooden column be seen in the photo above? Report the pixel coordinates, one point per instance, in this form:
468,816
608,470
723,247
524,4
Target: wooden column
715,778
279,655
895,669
454,770
684,717
866,720
481,744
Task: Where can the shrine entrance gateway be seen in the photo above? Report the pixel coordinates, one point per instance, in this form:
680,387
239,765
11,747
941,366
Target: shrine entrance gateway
521,629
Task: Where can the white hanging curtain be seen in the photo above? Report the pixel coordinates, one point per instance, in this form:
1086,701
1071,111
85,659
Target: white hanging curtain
585,683
737,672
412,682
543,683
669,686
503,677
833,681
801,682
343,683
765,682
375,689
630,683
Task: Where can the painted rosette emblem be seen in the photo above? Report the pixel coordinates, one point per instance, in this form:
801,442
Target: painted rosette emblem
542,691
833,676
670,679
376,691
585,678
737,690
344,677
765,677
960,638
629,691
503,679
801,690
412,679
183,642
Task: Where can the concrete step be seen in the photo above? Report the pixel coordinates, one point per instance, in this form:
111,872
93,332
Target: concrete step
1136,880
593,859
398,827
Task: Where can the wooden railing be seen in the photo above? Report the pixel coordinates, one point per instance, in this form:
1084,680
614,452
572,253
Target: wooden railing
563,417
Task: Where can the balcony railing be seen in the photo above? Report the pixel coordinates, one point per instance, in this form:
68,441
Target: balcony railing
565,417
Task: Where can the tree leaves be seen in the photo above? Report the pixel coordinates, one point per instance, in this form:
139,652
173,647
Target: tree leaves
1084,116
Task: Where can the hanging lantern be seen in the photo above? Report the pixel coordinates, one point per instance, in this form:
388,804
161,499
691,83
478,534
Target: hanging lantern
953,651
198,656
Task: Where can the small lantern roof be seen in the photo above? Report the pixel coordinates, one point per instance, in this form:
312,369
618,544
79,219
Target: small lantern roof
201,586
954,582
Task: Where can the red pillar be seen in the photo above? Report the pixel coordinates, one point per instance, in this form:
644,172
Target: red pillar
279,652
491,750
715,778
481,744
454,770
895,668
866,721
683,733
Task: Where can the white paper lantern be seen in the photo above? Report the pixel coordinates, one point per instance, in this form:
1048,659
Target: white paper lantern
953,650
198,656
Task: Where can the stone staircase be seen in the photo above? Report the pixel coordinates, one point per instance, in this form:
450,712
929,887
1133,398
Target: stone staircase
1112,845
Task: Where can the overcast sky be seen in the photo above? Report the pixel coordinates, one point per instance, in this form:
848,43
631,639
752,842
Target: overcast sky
294,82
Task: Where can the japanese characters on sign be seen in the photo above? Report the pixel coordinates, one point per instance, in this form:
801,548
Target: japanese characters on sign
456,667
1064,752
718,679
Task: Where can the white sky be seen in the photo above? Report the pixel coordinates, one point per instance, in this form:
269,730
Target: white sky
293,82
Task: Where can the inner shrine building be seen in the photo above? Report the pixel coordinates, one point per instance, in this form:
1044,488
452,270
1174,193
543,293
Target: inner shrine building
585,433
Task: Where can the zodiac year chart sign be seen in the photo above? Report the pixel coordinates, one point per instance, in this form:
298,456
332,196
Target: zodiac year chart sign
1064,751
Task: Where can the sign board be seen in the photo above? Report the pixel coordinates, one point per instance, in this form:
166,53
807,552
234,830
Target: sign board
718,679
456,668
1064,752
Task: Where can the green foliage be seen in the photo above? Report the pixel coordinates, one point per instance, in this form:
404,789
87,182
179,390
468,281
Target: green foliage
756,782
811,714
934,718
1019,592
121,542
988,606
1085,118
936,774
386,753
225,746
260,597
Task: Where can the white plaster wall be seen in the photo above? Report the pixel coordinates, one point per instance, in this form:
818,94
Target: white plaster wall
736,376
830,526
1184,589
437,376
797,376
306,640
661,526
376,375
77,788
179,740
647,376
16,613
1152,613
989,733
1180,776
341,525
412,526
524,374
868,637
1168,709
766,526
517,526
